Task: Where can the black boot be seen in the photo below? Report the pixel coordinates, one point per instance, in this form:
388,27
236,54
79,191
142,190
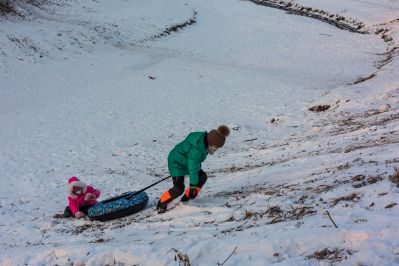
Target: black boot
161,207
67,213
184,198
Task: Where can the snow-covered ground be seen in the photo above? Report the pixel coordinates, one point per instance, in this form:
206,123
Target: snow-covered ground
104,89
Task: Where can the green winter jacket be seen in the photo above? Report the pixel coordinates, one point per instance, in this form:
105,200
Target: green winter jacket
187,156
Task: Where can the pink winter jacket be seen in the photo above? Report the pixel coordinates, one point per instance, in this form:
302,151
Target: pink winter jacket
74,203
81,199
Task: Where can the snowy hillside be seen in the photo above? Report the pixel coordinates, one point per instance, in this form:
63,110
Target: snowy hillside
104,89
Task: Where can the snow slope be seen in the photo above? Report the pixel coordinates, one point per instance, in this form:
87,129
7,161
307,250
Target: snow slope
104,89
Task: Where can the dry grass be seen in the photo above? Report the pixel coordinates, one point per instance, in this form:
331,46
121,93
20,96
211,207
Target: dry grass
6,8
248,215
395,177
36,2
321,15
354,197
389,206
361,181
319,108
9,7
360,80
333,255
183,259
295,213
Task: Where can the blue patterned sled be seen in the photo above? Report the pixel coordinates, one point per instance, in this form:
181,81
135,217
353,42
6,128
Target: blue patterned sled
119,206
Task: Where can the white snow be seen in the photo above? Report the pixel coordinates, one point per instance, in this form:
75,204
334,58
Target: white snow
92,89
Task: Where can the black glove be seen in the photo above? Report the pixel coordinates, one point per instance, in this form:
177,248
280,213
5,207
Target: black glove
192,193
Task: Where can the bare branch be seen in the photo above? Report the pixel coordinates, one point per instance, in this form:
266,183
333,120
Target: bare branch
329,216
228,257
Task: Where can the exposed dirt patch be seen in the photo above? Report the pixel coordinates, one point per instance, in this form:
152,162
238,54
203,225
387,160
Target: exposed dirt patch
100,240
365,182
395,177
248,166
333,255
360,80
389,138
182,258
321,15
6,8
392,51
295,213
341,22
280,190
271,212
274,120
9,7
81,228
356,181
272,215
319,108
354,197
96,226
249,190
367,119
36,3
175,28
27,45
389,206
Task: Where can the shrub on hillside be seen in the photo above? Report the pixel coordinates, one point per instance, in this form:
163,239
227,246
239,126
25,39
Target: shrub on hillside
395,177
11,7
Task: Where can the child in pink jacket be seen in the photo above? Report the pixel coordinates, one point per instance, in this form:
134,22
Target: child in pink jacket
80,197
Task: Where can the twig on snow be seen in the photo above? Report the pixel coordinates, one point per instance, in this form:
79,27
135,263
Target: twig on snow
329,216
228,257
182,258
250,139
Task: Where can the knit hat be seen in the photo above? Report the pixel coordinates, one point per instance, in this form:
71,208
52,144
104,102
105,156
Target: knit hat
218,136
75,182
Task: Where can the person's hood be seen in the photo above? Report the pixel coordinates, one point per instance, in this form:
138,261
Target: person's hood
75,182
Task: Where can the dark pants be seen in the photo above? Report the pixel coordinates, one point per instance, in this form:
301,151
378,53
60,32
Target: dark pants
178,187
68,213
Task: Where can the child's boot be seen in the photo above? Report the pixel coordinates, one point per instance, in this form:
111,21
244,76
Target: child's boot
163,202
161,207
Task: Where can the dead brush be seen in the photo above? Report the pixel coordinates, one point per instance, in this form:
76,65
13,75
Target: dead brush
331,255
271,211
300,212
183,259
274,210
320,108
6,7
395,177
293,214
89,227
361,180
36,3
354,197
248,214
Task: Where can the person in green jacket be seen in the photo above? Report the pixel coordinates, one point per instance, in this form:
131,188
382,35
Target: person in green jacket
186,158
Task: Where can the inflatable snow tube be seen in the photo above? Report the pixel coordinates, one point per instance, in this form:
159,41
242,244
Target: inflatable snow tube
118,207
